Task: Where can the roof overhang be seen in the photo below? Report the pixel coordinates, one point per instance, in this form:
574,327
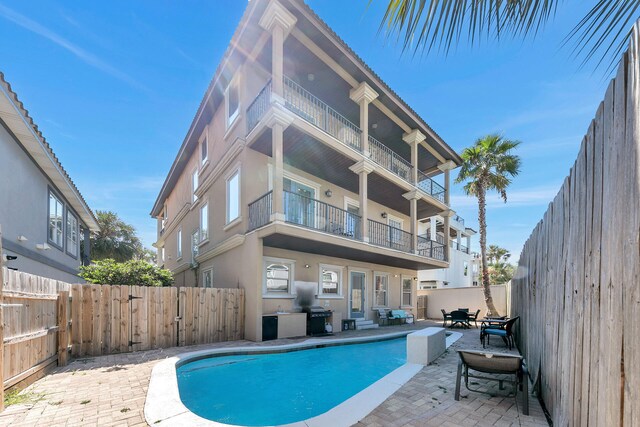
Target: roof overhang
21,125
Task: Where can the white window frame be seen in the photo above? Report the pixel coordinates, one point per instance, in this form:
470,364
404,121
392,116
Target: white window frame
290,292
179,244
204,274
465,268
204,223
375,291
195,184
403,293
336,269
71,231
234,173
163,219
230,118
204,142
195,244
60,232
396,219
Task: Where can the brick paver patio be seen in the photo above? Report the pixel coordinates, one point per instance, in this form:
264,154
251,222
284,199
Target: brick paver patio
111,391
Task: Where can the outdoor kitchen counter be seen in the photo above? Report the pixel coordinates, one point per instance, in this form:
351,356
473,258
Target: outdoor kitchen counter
291,325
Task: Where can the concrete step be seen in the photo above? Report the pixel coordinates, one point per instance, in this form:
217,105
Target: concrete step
365,324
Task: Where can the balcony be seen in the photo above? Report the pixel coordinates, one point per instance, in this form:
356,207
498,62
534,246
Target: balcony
316,112
319,216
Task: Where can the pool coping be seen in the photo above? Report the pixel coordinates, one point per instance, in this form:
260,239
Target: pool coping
164,407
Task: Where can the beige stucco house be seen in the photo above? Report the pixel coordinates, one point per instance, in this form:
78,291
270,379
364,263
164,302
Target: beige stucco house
302,165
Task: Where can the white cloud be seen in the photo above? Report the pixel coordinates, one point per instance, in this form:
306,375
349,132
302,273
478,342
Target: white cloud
82,54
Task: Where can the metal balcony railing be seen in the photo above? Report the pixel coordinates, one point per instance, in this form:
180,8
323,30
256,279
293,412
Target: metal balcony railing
260,211
258,107
389,159
389,237
317,215
430,187
431,249
309,107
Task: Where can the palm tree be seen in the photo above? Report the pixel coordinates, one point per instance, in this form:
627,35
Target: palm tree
488,165
422,25
497,254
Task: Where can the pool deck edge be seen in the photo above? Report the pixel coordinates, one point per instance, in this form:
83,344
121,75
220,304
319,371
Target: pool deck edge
163,406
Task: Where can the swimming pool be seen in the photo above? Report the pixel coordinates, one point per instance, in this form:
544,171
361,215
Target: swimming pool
281,388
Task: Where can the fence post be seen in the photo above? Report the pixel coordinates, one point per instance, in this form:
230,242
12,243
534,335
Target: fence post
1,328
63,337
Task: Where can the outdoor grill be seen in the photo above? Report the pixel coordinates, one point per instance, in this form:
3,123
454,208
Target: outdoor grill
316,319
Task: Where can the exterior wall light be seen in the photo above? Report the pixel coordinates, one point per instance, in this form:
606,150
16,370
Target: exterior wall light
384,215
328,193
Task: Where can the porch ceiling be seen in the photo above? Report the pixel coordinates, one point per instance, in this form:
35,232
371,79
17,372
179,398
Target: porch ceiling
323,245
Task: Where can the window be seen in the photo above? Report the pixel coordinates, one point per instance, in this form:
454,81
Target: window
163,221
428,285
204,150
55,220
204,222
278,276
195,241
406,291
395,233
194,185
207,278
330,280
381,286
72,234
179,243
232,100
466,268
233,197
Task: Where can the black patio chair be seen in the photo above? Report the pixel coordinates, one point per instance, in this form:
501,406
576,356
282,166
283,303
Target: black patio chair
474,317
506,332
445,316
494,363
459,318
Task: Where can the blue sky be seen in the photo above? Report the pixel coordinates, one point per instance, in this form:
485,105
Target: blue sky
114,87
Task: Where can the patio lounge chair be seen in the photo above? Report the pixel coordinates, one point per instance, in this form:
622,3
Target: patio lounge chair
506,333
401,314
494,363
445,316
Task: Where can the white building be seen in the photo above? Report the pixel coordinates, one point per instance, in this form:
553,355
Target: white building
464,265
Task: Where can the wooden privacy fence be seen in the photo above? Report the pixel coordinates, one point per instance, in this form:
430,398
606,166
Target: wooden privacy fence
577,288
44,320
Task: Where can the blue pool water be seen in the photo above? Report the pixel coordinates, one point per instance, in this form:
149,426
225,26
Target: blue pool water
272,389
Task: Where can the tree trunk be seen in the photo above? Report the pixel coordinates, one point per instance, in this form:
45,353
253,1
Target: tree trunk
482,219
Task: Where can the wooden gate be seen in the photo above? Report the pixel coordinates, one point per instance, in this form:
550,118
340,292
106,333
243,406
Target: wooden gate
422,307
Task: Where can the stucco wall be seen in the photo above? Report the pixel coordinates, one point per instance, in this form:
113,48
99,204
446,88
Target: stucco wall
24,200
471,298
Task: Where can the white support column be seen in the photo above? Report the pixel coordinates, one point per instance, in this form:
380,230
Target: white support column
447,231
278,119
363,168
433,230
468,244
277,152
364,95
279,21
414,138
446,167
413,197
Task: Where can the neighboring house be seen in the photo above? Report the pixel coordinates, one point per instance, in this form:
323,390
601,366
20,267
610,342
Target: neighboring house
302,165
464,265
42,214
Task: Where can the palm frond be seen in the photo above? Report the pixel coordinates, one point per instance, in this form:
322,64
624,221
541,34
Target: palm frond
421,25
606,28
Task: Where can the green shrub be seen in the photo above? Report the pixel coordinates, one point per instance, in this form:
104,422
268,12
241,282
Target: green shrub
133,272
